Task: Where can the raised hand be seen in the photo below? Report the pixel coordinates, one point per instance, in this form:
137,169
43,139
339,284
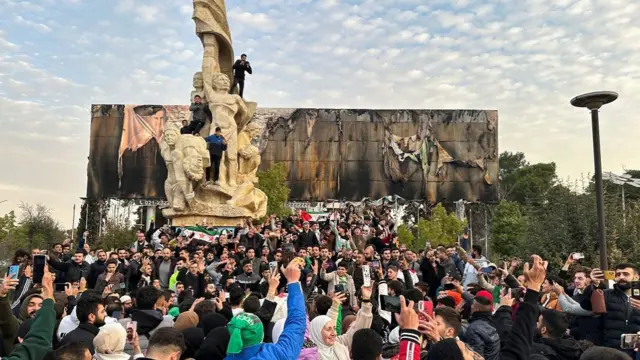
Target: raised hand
47,285
339,297
293,270
506,299
559,290
410,319
8,284
366,293
535,274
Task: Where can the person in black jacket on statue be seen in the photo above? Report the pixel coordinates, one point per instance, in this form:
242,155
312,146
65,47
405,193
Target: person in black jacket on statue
239,68
199,113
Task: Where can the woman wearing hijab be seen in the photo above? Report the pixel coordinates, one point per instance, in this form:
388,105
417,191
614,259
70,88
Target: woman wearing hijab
110,341
323,332
193,339
188,319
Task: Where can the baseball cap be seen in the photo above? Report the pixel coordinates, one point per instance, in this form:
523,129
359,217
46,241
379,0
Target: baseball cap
489,268
125,298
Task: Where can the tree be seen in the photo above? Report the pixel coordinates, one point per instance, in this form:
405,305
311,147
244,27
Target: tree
39,227
116,235
406,236
529,184
440,228
510,162
273,182
508,227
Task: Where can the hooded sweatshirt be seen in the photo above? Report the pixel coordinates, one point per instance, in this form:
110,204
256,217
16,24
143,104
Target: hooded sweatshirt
25,304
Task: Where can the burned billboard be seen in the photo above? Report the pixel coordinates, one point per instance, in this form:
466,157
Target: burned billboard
438,155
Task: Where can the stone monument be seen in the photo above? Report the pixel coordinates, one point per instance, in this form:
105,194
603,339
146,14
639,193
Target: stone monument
235,197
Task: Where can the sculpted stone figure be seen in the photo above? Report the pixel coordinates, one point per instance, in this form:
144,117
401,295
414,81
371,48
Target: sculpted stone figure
188,159
198,87
210,17
229,112
168,145
248,154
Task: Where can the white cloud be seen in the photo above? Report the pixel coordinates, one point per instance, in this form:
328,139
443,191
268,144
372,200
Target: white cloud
32,24
526,59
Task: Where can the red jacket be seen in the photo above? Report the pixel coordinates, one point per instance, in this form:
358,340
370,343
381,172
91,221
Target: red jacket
409,344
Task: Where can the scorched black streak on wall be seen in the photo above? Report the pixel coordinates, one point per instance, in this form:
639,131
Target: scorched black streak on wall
441,155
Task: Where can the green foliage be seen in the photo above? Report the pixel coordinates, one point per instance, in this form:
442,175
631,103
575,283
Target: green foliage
273,183
440,228
34,228
542,215
510,162
529,183
406,236
116,235
507,228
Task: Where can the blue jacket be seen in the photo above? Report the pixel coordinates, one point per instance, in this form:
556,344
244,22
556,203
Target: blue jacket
292,338
216,147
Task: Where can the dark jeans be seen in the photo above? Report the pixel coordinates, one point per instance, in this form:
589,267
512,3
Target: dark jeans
215,164
196,126
237,81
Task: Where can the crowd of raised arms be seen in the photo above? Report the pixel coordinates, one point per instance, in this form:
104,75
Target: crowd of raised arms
340,288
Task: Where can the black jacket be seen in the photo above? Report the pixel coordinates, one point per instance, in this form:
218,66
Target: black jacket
621,317
305,239
200,111
83,333
239,69
566,348
432,276
585,327
482,336
73,271
95,270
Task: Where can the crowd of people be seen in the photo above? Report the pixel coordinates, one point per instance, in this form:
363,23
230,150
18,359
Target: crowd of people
342,288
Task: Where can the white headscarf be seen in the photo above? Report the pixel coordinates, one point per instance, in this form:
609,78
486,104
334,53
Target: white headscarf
110,342
325,352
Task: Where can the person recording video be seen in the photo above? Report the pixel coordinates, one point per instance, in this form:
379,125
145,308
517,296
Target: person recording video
239,68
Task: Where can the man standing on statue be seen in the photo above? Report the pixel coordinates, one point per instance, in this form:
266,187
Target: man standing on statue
199,112
217,144
239,69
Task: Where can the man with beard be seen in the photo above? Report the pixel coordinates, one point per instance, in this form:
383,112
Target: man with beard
73,270
552,341
248,279
97,268
621,318
347,261
147,316
193,279
306,237
164,268
141,242
91,314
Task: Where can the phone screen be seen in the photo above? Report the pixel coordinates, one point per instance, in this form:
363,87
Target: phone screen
39,262
132,327
375,264
116,315
635,290
338,288
14,270
629,341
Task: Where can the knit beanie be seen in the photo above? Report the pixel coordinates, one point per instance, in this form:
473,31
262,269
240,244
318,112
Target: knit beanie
246,330
445,350
110,339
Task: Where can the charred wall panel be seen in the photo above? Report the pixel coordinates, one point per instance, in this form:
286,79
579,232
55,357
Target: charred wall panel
441,155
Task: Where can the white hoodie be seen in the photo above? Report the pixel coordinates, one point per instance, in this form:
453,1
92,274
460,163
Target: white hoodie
68,324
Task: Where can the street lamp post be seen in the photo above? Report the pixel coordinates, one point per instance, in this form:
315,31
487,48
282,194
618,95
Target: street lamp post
594,101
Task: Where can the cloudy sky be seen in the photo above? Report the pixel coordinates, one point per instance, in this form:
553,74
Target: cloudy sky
524,58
